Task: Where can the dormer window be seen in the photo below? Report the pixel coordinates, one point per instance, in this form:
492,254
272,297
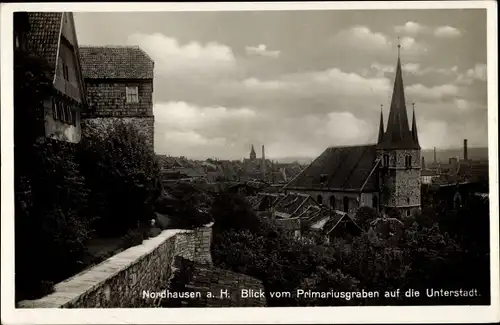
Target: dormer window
132,94
322,178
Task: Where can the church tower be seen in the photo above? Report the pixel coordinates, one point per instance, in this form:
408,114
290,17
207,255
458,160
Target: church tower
399,152
253,156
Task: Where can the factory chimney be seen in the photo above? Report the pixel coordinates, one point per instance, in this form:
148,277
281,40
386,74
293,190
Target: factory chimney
466,157
435,160
263,169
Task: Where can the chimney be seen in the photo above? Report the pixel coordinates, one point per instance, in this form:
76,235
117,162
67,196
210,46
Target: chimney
264,172
423,163
465,150
435,160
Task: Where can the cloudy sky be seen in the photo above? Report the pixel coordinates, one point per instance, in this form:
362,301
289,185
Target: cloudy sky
300,81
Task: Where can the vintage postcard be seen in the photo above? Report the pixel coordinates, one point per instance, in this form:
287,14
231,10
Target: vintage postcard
243,162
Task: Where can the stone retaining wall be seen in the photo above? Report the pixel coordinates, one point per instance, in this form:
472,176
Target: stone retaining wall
120,280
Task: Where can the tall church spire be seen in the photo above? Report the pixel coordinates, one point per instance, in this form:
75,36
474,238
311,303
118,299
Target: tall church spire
414,131
381,126
398,134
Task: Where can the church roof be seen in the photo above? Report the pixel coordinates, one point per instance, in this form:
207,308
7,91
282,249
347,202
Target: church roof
339,169
398,134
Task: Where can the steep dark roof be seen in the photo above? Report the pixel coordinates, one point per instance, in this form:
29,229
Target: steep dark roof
116,62
43,38
291,202
341,168
398,134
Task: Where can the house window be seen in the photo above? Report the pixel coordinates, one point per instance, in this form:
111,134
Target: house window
17,43
132,95
332,202
63,112
375,202
346,204
408,200
320,199
65,72
386,161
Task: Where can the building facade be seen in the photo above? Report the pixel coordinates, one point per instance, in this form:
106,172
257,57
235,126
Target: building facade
119,83
52,37
384,175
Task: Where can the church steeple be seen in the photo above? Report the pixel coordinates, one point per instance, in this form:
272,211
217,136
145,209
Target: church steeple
381,126
253,155
398,134
414,131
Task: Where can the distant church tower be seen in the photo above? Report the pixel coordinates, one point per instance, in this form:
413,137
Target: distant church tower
399,152
253,156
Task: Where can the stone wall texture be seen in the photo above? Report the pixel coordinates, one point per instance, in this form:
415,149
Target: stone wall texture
145,125
403,185
120,281
108,99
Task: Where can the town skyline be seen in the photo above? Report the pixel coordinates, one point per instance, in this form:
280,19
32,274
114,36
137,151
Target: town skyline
227,80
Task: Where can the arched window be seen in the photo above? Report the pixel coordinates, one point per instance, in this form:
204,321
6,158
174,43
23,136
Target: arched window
386,160
332,202
408,161
320,199
346,204
375,202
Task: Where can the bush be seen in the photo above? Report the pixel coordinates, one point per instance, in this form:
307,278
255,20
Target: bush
122,174
51,219
186,205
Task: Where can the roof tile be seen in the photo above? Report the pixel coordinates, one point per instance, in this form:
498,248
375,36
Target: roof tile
43,37
339,168
116,62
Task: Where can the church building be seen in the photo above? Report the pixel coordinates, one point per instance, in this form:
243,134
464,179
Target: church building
384,175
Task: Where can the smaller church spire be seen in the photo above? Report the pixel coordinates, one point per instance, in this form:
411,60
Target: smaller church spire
253,155
381,127
414,131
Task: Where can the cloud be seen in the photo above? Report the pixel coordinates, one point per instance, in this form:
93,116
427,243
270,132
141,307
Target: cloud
191,60
362,37
411,68
410,45
195,131
256,84
381,69
441,92
447,32
478,72
411,28
261,50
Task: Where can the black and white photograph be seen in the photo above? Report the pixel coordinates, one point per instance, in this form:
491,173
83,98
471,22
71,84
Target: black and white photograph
249,156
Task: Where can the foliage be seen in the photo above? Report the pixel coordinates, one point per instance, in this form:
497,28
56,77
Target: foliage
52,222
123,176
364,216
231,211
63,191
450,253
186,205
